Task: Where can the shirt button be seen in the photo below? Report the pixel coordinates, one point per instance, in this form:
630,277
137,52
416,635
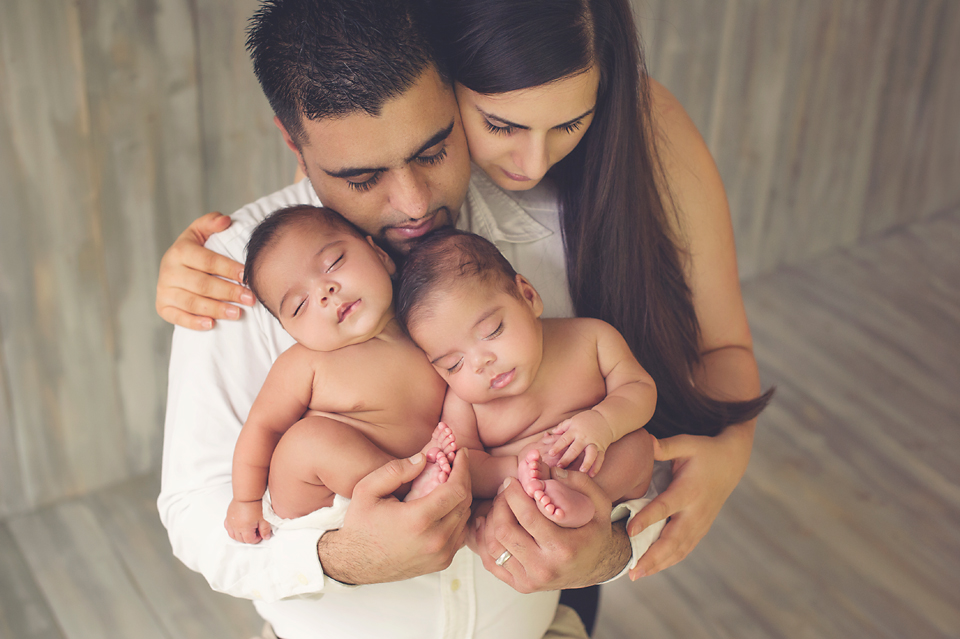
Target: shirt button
455,585
302,579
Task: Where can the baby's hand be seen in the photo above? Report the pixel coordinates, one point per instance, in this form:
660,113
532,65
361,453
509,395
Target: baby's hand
588,433
245,522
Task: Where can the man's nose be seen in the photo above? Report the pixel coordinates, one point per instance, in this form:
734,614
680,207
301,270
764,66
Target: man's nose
410,193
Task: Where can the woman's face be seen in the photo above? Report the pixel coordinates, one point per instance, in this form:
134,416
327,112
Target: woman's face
516,137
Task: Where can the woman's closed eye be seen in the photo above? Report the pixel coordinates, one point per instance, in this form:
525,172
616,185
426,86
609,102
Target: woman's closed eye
498,130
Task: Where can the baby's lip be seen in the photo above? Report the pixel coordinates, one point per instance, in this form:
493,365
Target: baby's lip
345,309
502,379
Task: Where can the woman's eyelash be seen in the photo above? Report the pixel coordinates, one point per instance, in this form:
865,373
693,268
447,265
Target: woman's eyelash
572,127
498,130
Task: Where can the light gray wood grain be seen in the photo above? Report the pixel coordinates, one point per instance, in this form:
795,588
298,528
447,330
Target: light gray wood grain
58,340
845,523
180,599
24,612
89,589
244,155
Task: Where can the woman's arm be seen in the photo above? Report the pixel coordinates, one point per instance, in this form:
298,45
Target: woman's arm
193,289
706,470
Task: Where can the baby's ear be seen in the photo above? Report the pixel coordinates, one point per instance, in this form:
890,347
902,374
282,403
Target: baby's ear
386,259
530,295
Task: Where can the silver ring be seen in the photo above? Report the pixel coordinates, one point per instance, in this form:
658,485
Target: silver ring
503,558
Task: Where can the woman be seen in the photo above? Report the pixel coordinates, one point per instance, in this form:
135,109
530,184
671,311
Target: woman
556,90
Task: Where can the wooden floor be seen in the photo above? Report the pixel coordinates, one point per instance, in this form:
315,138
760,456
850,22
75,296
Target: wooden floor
846,525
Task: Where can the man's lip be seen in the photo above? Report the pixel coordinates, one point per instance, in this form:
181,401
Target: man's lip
515,177
345,309
502,379
413,231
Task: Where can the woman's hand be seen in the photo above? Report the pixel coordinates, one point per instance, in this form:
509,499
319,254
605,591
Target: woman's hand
705,472
190,291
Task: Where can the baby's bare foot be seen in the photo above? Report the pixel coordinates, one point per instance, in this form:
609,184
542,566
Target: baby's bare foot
434,473
530,470
564,506
444,440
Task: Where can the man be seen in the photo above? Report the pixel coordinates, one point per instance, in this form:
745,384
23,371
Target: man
374,124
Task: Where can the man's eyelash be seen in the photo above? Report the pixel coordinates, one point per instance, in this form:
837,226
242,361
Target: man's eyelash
436,158
366,185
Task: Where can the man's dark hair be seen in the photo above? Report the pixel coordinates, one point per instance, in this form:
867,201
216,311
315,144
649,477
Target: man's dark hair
444,256
268,232
332,58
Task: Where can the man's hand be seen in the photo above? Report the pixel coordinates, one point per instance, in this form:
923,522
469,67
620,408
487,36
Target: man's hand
190,291
705,472
545,556
384,539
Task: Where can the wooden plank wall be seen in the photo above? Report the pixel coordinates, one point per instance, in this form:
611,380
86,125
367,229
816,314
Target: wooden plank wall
121,120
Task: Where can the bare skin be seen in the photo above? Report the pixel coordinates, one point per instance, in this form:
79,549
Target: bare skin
528,394
353,394
191,293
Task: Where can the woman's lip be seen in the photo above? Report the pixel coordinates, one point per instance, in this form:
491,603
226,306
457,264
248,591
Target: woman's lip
515,177
503,379
345,310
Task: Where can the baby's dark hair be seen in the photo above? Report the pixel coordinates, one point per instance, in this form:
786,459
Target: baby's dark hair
268,233
445,256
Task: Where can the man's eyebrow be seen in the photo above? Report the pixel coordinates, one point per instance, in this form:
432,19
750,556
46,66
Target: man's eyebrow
438,137
525,127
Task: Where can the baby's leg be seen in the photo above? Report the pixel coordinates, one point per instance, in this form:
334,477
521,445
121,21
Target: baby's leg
317,457
558,503
440,452
627,467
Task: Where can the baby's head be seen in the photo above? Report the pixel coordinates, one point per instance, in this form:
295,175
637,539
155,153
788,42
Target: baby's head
475,318
315,272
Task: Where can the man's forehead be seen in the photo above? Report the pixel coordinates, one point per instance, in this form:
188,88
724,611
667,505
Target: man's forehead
402,128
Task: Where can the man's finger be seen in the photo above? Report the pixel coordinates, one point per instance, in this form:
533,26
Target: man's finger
388,478
206,225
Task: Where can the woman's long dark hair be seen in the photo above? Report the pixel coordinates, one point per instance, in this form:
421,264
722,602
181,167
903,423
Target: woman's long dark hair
623,264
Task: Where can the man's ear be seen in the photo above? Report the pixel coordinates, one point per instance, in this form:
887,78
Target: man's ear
530,295
291,144
387,261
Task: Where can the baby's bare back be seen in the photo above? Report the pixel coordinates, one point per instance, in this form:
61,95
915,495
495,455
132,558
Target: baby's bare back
569,381
385,388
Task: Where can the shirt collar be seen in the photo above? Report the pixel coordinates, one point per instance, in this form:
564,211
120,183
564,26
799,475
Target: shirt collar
496,215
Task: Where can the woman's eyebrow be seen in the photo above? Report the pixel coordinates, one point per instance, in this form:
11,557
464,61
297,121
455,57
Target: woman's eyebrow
523,126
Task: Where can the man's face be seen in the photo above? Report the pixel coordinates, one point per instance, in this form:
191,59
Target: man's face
396,176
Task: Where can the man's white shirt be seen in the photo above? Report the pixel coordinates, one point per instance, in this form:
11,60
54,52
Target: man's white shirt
215,377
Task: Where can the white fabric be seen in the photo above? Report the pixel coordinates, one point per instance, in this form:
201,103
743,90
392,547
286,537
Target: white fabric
329,518
214,378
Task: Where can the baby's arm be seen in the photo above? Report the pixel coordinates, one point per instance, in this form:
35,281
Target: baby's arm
486,471
631,397
282,401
